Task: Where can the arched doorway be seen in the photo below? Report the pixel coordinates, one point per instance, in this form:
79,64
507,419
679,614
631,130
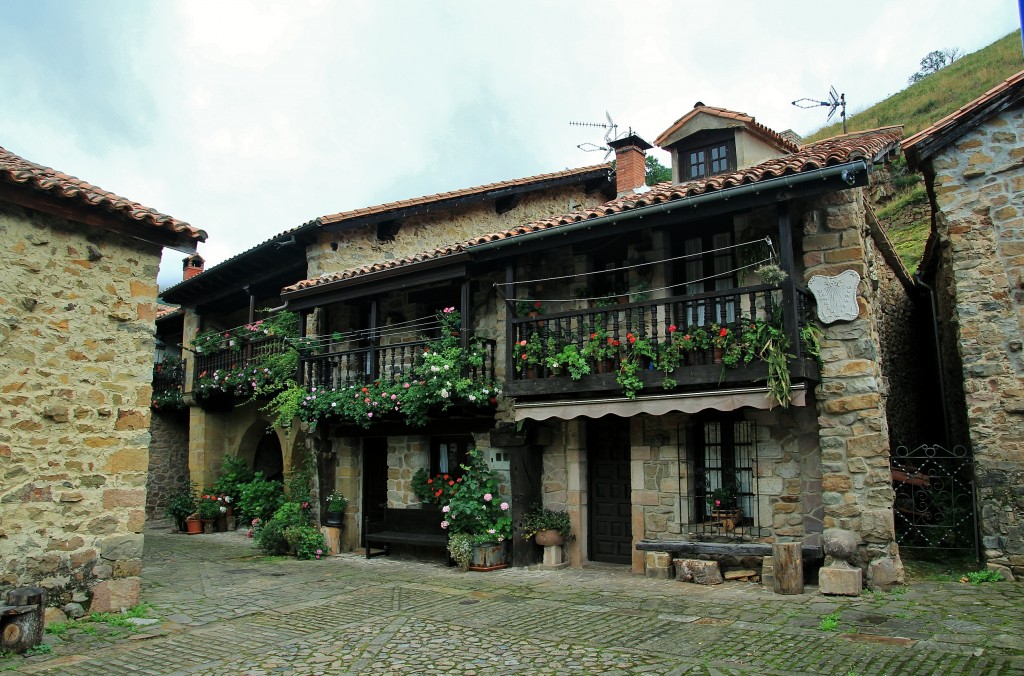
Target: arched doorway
268,457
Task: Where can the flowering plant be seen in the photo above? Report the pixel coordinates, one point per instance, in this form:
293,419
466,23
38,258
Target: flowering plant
529,352
475,508
601,345
336,502
436,489
723,497
210,506
525,308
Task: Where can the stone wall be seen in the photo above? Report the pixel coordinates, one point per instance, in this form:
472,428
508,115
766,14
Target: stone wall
406,454
168,459
359,246
76,355
857,489
978,185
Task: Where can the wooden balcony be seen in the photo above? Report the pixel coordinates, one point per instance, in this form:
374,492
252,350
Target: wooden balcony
236,358
390,363
658,321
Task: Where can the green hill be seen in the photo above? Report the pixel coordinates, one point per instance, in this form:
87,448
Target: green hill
904,211
922,104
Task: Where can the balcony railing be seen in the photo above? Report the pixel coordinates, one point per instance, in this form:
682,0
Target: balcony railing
652,321
391,363
168,377
237,357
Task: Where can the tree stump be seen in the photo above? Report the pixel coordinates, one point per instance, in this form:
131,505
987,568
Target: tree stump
21,620
788,564
333,537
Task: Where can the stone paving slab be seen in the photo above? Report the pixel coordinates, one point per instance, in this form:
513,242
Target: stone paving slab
225,609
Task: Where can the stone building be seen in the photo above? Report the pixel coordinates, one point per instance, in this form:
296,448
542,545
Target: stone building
633,453
78,293
973,165
232,293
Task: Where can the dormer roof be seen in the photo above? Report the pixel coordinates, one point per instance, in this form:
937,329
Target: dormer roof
705,117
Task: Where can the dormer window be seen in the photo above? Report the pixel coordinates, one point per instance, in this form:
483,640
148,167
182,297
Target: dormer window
714,153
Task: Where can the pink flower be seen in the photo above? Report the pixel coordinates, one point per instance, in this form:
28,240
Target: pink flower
488,497
446,509
249,533
504,506
444,524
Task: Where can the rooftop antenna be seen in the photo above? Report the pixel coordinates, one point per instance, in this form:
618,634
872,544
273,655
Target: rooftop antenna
610,134
836,101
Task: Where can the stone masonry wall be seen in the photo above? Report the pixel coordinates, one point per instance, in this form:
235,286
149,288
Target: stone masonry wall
856,484
168,459
360,246
406,454
979,191
77,333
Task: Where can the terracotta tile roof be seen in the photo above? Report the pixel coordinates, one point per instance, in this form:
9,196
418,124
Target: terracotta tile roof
867,145
926,142
15,169
167,311
770,136
465,192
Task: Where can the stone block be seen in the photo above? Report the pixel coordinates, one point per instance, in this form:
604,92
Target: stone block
703,572
840,579
554,558
110,596
121,547
658,565
884,574
74,610
51,615
840,544
1002,570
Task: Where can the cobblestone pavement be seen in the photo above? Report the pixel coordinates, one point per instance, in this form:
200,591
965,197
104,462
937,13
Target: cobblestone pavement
225,609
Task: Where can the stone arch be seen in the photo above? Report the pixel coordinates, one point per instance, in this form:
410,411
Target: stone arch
272,450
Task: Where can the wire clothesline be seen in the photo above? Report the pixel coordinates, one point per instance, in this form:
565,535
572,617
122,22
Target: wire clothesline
660,288
700,254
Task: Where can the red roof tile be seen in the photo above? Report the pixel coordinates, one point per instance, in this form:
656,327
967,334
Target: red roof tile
770,136
927,141
455,194
866,145
15,169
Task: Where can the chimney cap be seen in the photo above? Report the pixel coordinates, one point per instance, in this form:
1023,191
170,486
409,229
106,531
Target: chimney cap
631,140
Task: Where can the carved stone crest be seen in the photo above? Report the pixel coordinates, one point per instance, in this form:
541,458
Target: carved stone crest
836,296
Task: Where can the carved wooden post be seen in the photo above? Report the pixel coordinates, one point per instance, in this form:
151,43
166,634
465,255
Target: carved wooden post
787,559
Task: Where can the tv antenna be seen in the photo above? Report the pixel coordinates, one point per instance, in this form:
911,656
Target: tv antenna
610,134
836,101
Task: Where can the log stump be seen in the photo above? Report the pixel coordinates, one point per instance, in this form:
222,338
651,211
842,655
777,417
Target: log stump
788,568
21,620
333,537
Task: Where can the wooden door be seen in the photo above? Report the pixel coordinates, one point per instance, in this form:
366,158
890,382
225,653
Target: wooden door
611,523
375,478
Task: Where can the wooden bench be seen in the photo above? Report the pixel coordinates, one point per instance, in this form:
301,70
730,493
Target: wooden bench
675,547
416,527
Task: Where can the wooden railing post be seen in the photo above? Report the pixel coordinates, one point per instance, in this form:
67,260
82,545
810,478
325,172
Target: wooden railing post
790,321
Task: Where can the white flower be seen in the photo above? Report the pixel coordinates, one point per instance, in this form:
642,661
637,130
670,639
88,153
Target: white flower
491,531
223,509
446,509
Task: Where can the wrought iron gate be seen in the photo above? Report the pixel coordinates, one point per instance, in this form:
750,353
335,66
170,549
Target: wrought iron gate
935,503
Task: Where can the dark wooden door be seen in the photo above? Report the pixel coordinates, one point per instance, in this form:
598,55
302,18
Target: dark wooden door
375,478
611,523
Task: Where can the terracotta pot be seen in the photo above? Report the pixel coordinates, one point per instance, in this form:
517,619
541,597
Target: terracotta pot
193,526
548,538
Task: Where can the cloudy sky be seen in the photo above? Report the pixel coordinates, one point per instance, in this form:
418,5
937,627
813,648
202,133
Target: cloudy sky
250,118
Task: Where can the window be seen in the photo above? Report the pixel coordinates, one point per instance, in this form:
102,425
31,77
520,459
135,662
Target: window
448,453
725,453
709,160
709,265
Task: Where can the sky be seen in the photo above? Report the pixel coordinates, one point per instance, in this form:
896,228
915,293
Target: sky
250,118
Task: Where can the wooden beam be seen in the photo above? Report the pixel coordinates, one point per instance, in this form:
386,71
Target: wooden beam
111,220
721,548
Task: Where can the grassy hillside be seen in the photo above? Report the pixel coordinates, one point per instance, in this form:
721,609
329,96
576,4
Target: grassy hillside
922,104
905,213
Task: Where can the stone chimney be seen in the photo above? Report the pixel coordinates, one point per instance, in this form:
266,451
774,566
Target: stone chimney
630,169
192,266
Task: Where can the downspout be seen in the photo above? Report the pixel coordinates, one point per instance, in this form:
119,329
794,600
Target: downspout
938,354
845,171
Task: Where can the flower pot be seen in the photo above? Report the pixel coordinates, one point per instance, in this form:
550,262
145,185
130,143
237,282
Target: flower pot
548,538
530,372
605,366
489,556
554,372
727,518
193,526
209,525
716,355
232,522
334,519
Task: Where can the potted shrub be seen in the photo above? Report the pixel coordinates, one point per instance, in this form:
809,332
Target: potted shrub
334,512
476,510
209,511
546,526
180,506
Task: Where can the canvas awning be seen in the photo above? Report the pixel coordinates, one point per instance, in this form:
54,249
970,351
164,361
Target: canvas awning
683,402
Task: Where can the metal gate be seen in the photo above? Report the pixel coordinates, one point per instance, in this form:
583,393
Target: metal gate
935,504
